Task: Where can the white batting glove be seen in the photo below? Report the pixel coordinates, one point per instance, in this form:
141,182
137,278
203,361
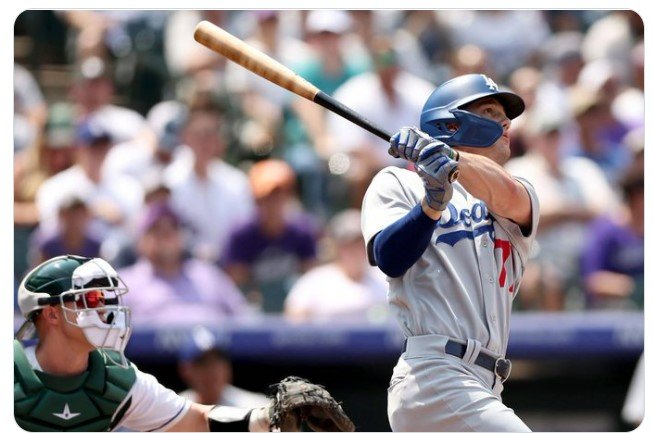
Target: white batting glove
435,168
410,141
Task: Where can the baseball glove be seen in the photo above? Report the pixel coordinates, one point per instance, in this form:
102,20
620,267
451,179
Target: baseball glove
295,400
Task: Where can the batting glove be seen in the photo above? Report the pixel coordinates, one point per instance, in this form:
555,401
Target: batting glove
410,141
435,167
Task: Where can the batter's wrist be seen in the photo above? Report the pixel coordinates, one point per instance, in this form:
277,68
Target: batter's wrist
430,212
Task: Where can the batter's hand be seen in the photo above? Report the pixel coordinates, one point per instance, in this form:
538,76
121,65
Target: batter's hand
410,141
435,168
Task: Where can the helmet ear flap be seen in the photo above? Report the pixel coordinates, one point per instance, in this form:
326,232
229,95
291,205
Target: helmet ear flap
474,130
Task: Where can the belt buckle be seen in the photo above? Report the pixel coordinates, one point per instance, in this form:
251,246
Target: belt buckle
502,368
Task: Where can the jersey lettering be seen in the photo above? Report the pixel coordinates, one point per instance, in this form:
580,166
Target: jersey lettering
505,247
467,218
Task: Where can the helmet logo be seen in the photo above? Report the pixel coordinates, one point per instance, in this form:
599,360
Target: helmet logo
490,83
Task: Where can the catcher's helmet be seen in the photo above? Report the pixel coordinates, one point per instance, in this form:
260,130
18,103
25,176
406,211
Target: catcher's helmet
89,289
445,107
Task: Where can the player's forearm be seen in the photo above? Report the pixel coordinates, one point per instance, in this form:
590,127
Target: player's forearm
222,418
488,181
397,247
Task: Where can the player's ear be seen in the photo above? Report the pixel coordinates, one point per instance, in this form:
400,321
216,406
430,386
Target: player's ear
51,314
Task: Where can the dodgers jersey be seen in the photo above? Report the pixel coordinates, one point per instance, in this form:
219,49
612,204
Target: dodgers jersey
464,283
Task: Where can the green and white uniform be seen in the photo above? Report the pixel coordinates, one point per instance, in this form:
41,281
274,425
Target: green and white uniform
103,398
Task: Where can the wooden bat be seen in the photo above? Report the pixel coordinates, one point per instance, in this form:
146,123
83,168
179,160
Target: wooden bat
238,51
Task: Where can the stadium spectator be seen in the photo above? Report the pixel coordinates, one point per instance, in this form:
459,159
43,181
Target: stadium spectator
72,235
522,33
92,92
209,195
612,262
205,367
167,287
49,154
595,139
267,254
112,200
572,191
346,288
30,109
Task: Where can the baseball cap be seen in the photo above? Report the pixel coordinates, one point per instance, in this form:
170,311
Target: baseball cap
167,119
90,132
200,342
153,213
345,226
327,20
270,174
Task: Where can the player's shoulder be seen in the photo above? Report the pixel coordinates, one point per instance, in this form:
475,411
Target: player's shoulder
396,178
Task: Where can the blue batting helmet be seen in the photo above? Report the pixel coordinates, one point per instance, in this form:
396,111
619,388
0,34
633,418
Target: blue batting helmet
444,108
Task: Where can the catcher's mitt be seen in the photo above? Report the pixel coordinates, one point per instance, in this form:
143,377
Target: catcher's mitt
295,400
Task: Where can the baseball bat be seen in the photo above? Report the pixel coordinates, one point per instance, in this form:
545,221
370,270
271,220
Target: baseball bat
238,51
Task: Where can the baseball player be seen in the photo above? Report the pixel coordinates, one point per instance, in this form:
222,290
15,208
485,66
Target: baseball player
454,253
77,377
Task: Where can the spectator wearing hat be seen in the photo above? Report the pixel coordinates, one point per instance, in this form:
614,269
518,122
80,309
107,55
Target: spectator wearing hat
205,367
572,190
612,260
266,254
345,288
112,200
210,195
167,287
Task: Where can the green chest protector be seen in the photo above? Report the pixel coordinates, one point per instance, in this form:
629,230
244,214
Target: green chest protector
89,402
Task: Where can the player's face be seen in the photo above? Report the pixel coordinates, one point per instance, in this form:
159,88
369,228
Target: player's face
491,109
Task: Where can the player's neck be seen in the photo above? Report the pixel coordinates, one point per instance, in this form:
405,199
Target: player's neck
61,357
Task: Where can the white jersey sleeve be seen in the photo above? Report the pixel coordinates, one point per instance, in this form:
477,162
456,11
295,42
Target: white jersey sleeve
153,406
391,195
522,242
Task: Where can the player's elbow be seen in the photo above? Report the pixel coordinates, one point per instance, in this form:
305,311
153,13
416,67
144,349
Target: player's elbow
386,261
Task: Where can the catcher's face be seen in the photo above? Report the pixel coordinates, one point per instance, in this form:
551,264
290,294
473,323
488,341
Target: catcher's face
492,109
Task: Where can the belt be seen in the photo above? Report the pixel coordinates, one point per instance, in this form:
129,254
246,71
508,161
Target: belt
499,366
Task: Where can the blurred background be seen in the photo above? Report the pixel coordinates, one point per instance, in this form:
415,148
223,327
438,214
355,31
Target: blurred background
231,207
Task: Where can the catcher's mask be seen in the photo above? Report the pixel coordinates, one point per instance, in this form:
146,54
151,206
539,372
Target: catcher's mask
88,288
444,116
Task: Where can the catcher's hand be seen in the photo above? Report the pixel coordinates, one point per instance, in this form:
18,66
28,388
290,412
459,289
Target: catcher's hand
295,400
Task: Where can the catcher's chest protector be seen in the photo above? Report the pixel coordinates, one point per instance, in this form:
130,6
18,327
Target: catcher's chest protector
87,402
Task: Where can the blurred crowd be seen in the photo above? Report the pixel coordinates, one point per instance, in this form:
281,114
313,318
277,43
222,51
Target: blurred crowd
216,193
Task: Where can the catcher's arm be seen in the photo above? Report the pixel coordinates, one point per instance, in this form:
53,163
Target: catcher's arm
204,418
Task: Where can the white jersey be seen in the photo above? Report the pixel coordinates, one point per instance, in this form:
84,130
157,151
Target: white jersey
464,283
153,407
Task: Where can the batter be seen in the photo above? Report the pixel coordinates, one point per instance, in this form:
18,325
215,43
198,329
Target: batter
454,253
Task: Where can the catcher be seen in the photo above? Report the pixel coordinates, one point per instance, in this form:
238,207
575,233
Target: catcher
77,376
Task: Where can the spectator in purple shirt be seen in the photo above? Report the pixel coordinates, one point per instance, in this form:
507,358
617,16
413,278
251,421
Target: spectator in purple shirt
266,255
612,264
168,288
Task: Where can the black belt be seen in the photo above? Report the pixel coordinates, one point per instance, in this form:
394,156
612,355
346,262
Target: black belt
499,366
